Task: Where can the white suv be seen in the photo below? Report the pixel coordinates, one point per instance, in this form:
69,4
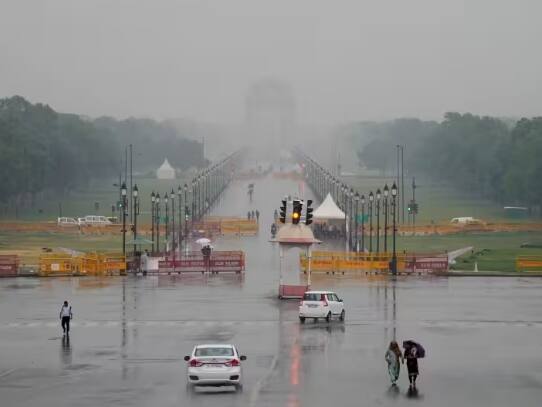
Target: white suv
321,304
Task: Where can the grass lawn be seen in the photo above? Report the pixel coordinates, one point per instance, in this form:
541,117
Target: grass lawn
29,245
436,202
492,251
81,203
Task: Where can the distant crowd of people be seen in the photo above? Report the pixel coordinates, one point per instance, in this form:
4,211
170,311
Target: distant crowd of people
325,231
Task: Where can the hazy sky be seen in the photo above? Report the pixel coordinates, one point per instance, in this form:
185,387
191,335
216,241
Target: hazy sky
346,60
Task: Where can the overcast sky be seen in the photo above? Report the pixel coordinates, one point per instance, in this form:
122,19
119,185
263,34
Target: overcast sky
346,60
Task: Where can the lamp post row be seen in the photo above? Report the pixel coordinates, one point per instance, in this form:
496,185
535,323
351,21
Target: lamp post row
323,182
206,189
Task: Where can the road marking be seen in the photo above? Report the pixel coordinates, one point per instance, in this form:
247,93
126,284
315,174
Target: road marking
268,323
255,394
7,372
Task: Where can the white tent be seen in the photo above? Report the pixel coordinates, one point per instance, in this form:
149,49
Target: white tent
328,210
166,171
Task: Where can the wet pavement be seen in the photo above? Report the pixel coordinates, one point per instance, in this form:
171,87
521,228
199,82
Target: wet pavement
129,335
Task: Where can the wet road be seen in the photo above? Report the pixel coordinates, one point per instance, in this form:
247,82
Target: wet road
482,335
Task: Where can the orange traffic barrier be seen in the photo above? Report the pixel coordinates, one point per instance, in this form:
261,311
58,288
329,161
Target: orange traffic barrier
529,263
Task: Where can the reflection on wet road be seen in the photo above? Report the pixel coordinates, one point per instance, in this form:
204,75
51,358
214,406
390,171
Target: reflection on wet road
129,336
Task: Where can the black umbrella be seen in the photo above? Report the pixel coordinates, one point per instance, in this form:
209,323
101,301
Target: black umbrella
410,344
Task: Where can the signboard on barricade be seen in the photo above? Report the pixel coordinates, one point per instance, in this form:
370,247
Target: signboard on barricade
426,265
9,265
227,261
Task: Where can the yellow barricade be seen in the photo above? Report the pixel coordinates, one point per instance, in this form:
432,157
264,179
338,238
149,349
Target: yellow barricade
91,264
55,264
343,261
111,263
529,263
239,226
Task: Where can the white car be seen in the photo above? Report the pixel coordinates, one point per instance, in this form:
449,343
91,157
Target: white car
321,304
81,222
215,365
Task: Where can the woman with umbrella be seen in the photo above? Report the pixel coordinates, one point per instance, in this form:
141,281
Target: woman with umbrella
413,351
394,359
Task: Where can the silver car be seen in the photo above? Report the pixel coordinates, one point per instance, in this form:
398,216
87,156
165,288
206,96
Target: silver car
214,365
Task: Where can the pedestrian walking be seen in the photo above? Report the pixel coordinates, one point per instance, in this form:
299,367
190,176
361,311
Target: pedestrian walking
252,215
248,215
65,317
413,351
394,358
257,215
275,215
145,262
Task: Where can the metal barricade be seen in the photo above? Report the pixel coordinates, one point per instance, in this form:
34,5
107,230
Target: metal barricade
342,262
9,265
528,263
55,264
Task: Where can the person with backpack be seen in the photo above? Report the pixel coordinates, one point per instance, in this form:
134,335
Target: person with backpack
394,357
65,317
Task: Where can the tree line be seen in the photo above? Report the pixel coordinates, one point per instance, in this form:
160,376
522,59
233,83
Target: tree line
42,150
486,156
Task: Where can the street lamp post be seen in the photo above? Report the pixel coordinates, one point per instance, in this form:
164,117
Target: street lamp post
123,193
394,256
378,196
135,212
350,219
173,231
386,193
157,214
179,196
371,199
363,222
152,219
185,214
193,201
166,238
356,199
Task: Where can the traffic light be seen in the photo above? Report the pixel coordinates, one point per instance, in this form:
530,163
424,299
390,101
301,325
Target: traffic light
308,217
283,211
296,212
412,208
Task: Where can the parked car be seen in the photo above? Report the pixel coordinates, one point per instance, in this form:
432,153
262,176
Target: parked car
94,220
81,221
64,221
321,304
214,365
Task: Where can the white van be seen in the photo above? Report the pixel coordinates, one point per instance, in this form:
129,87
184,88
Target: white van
94,220
64,221
466,220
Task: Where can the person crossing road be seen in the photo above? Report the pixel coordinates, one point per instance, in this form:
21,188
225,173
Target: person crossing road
65,317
